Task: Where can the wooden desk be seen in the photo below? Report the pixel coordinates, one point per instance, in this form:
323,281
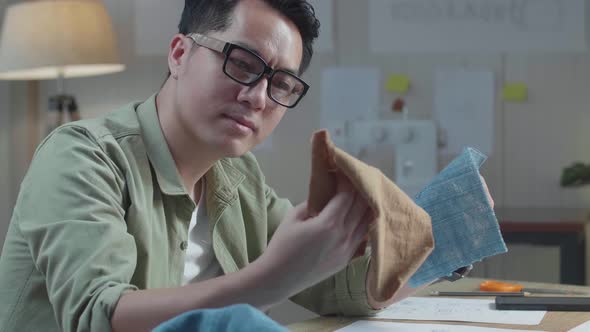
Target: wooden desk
553,321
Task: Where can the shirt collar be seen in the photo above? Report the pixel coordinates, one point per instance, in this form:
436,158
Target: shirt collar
222,179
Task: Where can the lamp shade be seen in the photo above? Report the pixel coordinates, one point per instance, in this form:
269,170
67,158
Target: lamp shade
47,39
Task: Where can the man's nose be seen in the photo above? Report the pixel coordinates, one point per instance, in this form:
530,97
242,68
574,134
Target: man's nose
254,95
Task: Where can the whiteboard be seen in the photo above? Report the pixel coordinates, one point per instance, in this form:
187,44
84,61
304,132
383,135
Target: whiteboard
348,94
464,109
476,25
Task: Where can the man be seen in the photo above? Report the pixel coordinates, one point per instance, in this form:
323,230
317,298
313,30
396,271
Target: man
158,208
100,232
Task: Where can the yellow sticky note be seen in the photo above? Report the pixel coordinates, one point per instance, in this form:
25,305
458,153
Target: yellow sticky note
517,92
397,83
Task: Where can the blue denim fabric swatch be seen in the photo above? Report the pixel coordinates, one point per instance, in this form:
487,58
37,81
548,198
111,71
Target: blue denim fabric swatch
464,224
239,317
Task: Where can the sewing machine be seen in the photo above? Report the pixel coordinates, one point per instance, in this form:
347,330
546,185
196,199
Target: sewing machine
404,150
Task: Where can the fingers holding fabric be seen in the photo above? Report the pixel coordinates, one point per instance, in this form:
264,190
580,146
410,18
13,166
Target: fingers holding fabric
361,230
335,212
356,213
487,190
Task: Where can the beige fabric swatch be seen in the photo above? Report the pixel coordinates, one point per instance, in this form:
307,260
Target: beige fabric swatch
401,234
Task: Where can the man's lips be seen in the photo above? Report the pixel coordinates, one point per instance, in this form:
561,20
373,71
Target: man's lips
242,121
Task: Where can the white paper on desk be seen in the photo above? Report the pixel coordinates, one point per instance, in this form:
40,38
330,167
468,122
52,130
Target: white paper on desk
584,327
458,310
464,109
374,326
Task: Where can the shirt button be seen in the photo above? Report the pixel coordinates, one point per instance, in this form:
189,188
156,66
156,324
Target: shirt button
183,245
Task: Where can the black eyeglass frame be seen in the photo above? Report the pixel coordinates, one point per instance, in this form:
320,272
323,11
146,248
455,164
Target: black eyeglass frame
226,48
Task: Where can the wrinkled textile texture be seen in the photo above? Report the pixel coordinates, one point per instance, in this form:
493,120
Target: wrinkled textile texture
401,234
463,222
239,317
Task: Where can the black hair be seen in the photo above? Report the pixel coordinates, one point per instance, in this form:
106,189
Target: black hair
202,16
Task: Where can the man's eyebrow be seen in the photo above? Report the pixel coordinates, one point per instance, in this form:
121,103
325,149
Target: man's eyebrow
253,49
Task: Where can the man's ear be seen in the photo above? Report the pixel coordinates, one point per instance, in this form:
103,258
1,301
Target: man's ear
178,54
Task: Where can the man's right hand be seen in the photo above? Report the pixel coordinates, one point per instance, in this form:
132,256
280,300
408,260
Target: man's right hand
306,250
303,251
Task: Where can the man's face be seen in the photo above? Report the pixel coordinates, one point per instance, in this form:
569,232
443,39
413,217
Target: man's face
220,113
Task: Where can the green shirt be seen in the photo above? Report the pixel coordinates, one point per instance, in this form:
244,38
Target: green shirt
102,210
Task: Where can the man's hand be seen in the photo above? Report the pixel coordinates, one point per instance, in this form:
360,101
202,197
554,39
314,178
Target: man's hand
306,250
485,187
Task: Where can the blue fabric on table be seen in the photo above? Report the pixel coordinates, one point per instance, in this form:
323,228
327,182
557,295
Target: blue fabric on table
464,224
239,317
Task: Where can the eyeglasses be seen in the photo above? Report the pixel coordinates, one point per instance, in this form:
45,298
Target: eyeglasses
247,68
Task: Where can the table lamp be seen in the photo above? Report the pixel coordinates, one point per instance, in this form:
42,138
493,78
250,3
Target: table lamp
58,39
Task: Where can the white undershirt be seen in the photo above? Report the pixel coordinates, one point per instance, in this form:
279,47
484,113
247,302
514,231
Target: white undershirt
200,262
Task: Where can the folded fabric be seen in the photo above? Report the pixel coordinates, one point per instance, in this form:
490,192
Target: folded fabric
401,234
239,317
463,222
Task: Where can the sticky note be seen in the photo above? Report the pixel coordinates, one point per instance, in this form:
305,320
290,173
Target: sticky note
397,83
517,92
